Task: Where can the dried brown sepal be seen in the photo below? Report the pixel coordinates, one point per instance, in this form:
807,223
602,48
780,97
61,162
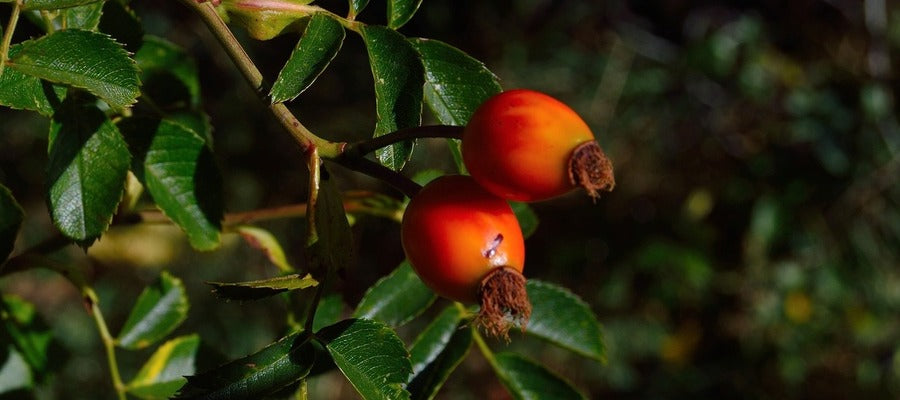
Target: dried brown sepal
591,169
504,302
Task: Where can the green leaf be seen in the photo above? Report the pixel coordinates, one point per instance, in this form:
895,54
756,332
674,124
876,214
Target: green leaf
252,377
329,312
11,214
398,89
562,318
332,247
163,374
437,352
85,17
356,7
160,308
178,170
399,12
527,380
455,85
255,290
87,169
528,220
26,92
397,298
319,44
169,75
371,356
120,21
83,59
27,333
267,242
53,4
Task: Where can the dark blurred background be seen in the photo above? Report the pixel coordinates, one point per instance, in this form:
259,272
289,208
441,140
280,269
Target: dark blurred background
749,250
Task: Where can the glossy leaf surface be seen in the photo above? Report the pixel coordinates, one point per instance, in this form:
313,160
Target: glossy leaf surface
397,298
160,308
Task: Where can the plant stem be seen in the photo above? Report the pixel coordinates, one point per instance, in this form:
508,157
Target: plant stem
362,148
359,164
254,77
109,342
313,163
7,35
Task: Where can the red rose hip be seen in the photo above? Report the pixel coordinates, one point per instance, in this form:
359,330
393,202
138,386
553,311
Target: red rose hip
526,146
465,244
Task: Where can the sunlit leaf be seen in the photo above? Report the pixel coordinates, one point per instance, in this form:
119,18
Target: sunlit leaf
26,92
399,12
397,298
160,308
266,242
371,356
178,170
255,290
319,44
527,380
455,85
398,89
164,373
437,352
83,59
87,169
562,318
253,377
11,214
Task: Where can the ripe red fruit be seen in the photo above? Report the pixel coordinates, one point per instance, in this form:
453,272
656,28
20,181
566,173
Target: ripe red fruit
466,245
526,146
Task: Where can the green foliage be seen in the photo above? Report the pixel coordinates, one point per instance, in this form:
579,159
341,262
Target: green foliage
164,373
397,298
266,242
437,352
26,342
371,356
319,44
53,4
398,89
86,170
399,12
265,372
160,308
562,318
177,168
527,380
25,92
255,290
82,59
455,85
